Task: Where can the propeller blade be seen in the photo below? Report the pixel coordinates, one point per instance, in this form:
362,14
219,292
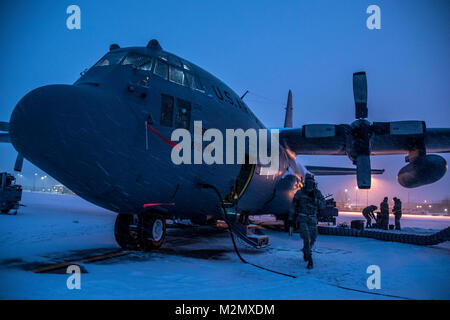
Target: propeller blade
19,163
360,94
4,126
363,172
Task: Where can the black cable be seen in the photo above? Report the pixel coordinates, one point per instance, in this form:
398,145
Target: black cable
369,292
208,186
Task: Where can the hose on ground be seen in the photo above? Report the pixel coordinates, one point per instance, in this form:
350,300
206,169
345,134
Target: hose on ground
208,186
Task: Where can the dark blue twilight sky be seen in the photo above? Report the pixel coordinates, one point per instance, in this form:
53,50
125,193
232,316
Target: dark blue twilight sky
267,47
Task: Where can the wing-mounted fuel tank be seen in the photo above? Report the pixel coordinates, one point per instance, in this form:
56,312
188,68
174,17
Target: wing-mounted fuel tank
422,170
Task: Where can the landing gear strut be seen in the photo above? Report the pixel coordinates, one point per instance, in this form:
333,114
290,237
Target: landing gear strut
145,231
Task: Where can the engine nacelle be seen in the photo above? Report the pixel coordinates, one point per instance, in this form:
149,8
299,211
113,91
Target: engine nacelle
422,170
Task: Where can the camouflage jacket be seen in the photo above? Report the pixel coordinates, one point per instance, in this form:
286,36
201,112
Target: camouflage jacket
309,204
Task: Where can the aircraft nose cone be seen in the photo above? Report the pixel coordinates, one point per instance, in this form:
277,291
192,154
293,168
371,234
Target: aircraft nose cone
78,135
40,118
53,127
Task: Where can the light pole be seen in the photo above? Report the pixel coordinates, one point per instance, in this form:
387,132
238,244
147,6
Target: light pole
356,197
409,204
34,181
43,178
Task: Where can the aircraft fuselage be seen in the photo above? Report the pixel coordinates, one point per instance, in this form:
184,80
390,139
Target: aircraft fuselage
92,137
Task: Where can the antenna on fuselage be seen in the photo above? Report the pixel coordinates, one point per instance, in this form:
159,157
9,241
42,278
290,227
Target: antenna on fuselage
288,116
243,96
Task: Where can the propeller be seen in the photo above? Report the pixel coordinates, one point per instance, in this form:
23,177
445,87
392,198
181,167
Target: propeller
361,132
356,137
4,137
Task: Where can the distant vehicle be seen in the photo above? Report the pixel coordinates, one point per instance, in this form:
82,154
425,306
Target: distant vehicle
329,213
10,193
106,138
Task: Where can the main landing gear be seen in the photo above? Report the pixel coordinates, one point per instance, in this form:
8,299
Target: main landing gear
144,231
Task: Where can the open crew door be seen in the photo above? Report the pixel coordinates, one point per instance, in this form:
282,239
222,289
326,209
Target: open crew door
242,181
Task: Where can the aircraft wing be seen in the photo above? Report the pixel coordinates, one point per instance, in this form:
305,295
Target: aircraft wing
338,140
362,139
336,171
4,138
297,141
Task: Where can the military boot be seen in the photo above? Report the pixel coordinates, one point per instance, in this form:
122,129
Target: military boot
305,256
310,263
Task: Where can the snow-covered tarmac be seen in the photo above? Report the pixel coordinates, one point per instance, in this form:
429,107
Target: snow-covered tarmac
200,263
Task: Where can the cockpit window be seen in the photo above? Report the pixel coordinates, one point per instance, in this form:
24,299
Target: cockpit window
198,84
176,75
188,80
179,75
161,69
139,61
174,60
110,59
192,82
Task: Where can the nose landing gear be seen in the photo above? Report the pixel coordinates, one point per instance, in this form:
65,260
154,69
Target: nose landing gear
144,231
153,231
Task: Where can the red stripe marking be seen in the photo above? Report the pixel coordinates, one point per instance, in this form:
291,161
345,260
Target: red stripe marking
146,205
171,143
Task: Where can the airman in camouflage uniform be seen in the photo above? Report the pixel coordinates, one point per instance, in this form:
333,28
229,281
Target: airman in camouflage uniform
369,215
306,204
384,213
397,210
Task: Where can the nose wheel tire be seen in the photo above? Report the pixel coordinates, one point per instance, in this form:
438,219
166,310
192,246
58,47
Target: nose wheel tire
153,231
144,232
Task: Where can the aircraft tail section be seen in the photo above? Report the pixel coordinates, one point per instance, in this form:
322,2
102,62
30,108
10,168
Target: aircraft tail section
288,116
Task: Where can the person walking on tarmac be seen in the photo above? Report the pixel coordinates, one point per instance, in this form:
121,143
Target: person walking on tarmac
303,213
384,213
397,211
368,213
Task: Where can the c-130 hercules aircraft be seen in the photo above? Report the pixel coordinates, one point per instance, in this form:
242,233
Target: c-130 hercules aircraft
106,137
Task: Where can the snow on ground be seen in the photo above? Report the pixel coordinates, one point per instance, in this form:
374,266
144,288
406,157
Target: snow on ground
200,263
